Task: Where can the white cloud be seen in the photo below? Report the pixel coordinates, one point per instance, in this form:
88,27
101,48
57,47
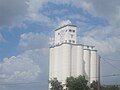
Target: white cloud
17,69
33,41
106,40
35,6
25,67
107,9
64,22
75,16
12,12
29,66
34,12
27,10
1,38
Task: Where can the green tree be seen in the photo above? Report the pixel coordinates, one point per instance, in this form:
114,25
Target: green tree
94,85
78,83
111,87
55,84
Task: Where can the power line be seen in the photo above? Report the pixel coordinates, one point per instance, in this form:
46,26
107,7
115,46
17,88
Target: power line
111,59
112,75
105,59
111,65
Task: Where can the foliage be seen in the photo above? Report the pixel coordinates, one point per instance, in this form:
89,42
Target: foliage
56,85
111,87
94,85
78,83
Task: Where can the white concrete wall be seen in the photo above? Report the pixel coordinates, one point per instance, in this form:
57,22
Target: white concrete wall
51,63
79,62
63,35
71,59
74,60
93,66
87,64
60,62
68,35
57,70
66,62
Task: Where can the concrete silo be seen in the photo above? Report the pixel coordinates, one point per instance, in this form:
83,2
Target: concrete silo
66,65
67,58
79,62
93,66
73,60
51,63
57,70
86,56
76,60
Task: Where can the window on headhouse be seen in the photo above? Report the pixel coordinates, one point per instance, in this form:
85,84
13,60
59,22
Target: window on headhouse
70,41
87,46
71,36
73,30
58,33
73,41
70,30
66,30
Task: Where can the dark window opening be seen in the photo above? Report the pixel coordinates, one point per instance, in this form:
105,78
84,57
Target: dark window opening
71,36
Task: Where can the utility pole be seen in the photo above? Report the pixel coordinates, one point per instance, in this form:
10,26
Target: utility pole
99,73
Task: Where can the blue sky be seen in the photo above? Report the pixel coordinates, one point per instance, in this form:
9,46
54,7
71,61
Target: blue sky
27,25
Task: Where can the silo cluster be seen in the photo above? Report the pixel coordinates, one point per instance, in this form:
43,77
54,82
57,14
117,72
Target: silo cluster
71,59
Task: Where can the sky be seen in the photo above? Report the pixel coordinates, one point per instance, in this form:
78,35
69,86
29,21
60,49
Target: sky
26,27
